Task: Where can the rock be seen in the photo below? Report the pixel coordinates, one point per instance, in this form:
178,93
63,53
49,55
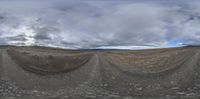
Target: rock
180,93
105,85
114,96
128,97
139,88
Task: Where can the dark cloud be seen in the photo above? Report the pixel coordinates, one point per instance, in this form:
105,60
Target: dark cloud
20,37
1,17
42,37
3,41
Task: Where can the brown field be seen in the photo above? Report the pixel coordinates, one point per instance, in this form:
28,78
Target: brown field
150,60
50,62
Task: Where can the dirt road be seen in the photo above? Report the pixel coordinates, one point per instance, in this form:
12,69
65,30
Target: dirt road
101,79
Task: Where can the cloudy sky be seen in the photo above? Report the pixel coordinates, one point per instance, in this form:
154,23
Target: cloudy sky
100,24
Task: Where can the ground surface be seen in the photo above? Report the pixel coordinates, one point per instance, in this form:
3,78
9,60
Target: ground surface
46,73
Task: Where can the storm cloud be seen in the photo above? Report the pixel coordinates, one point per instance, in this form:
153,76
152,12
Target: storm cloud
99,24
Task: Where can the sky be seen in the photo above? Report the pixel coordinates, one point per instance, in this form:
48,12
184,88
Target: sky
90,24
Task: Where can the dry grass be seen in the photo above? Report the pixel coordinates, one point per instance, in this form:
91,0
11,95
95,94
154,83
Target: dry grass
48,62
150,60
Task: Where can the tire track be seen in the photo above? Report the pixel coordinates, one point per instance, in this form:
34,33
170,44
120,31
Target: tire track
130,84
31,81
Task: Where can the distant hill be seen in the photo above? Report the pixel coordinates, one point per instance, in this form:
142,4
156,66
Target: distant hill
3,46
192,46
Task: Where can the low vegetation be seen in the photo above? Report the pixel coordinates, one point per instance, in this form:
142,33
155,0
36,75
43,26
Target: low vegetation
48,62
150,60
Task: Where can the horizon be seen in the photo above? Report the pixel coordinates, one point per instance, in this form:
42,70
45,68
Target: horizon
100,24
109,48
